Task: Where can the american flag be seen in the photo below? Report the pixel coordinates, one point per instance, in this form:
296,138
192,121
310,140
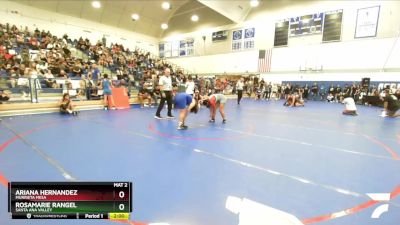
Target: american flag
264,61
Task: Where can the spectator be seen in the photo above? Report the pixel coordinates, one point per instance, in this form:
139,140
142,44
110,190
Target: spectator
346,90
259,91
66,106
274,90
76,71
267,91
62,74
322,91
190,86
350,106
95,73
4,96
287,91
391,104
279,92
106,85
84,85
338,93
50,82
146,92
330,97
306,92
142,96
314,90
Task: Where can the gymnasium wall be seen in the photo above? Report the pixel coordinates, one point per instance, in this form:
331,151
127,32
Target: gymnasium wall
59,24
347,77
232,62
367,54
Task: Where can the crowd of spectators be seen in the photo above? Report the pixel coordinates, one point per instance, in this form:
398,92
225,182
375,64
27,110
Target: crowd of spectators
315,91
26,55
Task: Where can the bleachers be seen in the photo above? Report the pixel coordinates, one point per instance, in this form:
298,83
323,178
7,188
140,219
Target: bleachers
34,88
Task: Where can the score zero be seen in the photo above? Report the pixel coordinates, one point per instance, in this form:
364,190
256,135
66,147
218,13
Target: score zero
121,194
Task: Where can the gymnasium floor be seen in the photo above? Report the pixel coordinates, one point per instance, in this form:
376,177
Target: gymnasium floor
311,162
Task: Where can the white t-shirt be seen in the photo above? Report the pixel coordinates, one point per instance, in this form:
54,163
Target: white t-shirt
239,85
166,83
189,87
274,88
350,104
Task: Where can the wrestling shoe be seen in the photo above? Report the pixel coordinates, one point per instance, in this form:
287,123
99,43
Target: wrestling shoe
182,127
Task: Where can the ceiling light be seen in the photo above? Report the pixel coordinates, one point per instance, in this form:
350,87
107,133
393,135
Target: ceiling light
135,17
254,3
164,26
195,18
96,4
166,5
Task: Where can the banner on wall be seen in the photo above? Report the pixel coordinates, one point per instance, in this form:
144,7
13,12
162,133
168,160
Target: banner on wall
167,49
176,48
307,24
367,22
182,48
190,47
186,47
243,39
249,33
249,38
161,50
237,37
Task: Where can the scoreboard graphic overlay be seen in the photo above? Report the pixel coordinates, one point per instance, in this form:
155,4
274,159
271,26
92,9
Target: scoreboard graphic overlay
70,200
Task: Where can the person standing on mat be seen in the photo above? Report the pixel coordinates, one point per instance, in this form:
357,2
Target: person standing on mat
216,101
165,86
239,88
186,103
